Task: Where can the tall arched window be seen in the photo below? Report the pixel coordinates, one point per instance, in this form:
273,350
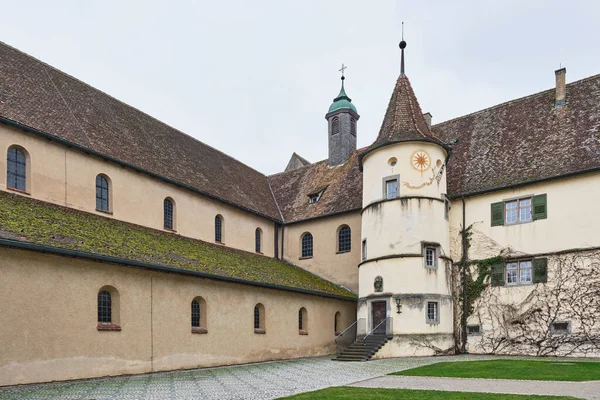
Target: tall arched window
307,245
169,212
108,309
257,240
199,315
218,229
259,318
16,177
104,307
303,321
102,192
335,126
344,239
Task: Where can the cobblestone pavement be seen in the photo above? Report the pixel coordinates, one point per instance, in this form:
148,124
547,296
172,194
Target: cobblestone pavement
583,390
254,381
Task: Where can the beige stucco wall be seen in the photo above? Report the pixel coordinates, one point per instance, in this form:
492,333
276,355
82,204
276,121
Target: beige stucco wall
572,219
340,268
49,325
67,177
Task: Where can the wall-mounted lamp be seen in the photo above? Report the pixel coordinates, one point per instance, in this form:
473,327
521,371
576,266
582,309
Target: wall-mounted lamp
398,305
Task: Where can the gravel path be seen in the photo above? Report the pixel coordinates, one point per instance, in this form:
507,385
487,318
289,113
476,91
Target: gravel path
584,390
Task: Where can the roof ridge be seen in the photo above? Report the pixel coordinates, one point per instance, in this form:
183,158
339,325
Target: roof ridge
518,99
128,105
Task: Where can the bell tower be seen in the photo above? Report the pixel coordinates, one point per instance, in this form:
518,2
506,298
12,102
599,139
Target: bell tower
405,274
342,119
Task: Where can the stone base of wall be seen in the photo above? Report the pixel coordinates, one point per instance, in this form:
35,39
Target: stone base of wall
413,345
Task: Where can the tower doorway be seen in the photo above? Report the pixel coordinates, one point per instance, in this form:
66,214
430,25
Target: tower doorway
378,315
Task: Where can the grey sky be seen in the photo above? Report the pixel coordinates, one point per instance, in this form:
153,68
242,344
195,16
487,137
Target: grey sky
255,79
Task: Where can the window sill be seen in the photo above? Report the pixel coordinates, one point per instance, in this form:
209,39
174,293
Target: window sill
260,252
221,243
519,222
434,267
25,192
260,331
342,252
104,212
519,284
170,230
107,326
199,330
433,322
302,332
305,258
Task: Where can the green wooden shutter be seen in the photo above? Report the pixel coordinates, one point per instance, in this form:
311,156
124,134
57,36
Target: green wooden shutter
497,274
540,270
540,208
498,213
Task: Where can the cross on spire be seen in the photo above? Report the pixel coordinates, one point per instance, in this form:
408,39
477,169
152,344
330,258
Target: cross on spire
343,69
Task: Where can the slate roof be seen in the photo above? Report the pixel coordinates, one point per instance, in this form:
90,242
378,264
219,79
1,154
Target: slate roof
38,96
25,221
525,140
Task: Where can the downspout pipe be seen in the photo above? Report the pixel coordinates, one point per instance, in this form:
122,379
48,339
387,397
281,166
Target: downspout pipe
463,319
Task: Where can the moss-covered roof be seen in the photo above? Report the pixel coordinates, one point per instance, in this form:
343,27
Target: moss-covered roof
31,221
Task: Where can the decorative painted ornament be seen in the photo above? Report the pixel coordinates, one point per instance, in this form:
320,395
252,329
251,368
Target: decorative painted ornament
420,161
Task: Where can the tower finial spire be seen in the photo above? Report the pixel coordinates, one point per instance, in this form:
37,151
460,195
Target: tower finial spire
342,71
402,47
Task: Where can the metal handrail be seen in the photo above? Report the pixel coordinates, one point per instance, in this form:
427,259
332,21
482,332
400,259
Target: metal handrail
344,331
374,329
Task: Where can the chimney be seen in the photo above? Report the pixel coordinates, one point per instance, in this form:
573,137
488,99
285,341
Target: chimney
561,88
428,118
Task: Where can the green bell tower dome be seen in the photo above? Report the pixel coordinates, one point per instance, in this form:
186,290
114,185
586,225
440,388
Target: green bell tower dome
342,101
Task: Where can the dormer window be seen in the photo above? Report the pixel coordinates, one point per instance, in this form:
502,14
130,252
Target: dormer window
315,197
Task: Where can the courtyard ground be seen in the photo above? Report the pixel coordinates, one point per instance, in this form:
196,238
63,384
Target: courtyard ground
271,380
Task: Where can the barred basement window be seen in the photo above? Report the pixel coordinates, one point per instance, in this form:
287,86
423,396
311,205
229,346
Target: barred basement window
433,316
335,126
16,177
102,192
560,328
169,209
104,307
257,237
344,239
474,330
307,245
218,229
195,314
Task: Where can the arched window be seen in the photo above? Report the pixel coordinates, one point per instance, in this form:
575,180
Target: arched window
302,321
344,239
108,309
337,323
257,240
16,177
169,212
218,229
335,126
307,245
104,307
199,315
259,318
102,192
352,126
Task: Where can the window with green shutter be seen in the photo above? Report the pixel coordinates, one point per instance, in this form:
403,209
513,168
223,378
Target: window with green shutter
498,213
540,270
497,277
540,207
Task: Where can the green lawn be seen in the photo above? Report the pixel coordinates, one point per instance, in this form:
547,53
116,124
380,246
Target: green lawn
556,370
404,394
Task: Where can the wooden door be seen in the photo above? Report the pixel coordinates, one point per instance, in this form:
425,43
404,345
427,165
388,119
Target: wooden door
378,314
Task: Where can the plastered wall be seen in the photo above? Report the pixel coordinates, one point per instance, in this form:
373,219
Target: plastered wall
67,177
49,328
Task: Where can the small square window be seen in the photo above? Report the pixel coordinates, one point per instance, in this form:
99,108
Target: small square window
560,328
473,330
519,272
433,316
517,211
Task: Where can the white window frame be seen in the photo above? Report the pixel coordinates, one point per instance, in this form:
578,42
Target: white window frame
519,268
518,210
436,319
389,179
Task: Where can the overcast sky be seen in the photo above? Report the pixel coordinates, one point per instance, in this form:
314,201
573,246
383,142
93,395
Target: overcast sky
254,79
